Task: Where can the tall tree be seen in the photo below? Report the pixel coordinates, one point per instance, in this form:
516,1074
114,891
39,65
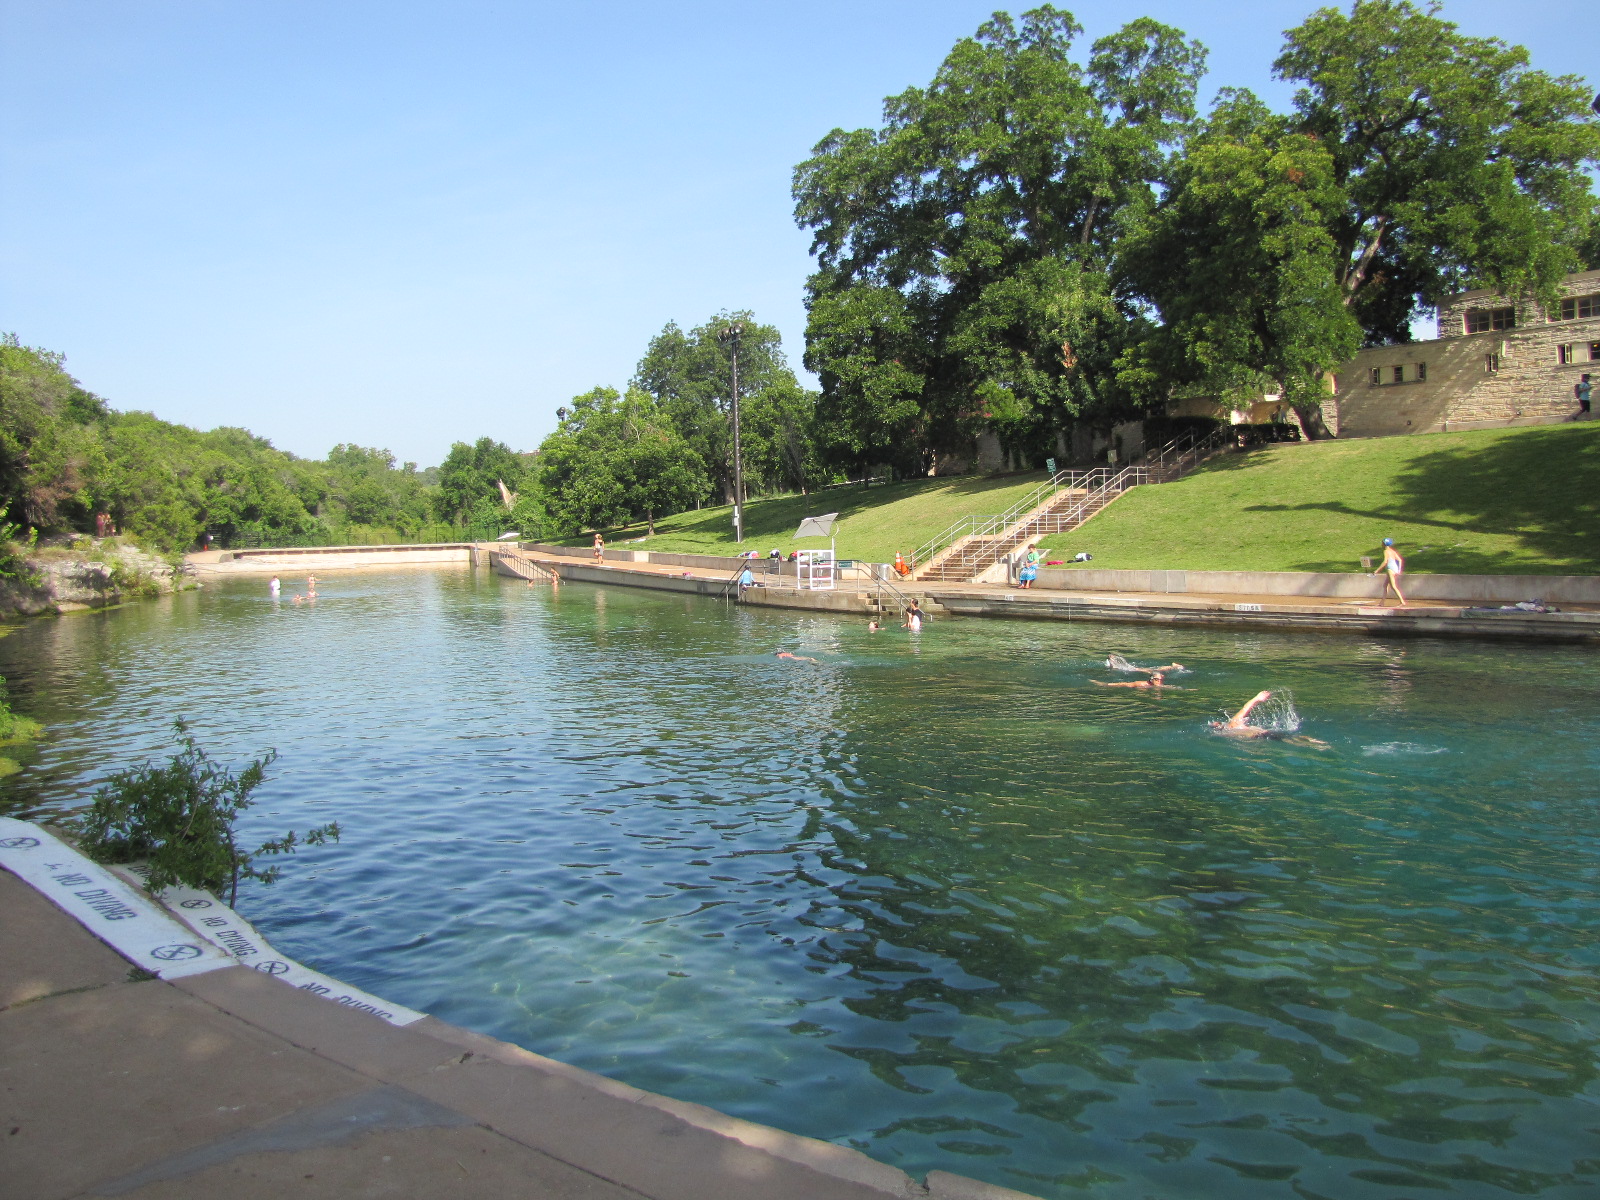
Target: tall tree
614,459
962,249
689,374
471,479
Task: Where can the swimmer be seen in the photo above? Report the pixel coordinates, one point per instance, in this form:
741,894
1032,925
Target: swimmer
872,627
1237,726
795,657
274,587
299,599
1116,662
1155,681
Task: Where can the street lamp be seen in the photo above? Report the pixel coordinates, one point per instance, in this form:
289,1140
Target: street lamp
730,335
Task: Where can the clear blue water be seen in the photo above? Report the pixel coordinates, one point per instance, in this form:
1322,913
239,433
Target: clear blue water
940,899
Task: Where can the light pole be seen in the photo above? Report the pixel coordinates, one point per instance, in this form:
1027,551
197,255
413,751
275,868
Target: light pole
731,334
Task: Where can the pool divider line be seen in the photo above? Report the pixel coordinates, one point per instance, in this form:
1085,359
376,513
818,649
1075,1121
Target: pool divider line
184,931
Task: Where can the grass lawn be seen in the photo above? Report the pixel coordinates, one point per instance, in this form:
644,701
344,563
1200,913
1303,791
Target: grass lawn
1488,502
874,523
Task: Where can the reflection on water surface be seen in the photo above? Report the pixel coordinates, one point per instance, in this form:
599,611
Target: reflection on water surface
940,899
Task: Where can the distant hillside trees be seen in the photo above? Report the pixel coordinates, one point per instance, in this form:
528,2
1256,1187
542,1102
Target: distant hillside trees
66,457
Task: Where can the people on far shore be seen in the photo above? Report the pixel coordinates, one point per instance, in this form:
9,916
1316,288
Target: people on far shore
1030,568
1392,567
599,548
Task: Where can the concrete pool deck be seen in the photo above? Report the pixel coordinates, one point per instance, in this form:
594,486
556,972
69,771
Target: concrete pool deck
1327,614
233,1083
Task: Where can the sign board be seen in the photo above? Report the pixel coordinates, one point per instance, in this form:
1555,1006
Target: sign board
1050,465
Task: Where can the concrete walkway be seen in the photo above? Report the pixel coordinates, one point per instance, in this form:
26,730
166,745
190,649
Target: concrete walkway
233,1084
1326,614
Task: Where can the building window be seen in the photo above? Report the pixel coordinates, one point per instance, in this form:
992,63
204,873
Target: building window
1491,362
1575,307
1399,374
1566,354
1594,351
1422,372
1375,377
1486,320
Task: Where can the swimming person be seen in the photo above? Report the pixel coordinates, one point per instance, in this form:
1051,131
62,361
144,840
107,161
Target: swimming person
1155,681
1238,726
914,615
795,657
1116,662
1392,568
872,627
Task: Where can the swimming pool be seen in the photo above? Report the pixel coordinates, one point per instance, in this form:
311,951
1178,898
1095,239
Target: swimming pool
938,897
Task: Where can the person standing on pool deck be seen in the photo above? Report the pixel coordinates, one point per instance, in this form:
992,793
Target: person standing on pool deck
599,548
1392,567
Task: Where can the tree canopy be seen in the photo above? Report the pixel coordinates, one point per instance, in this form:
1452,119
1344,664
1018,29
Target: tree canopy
963,248
1418,162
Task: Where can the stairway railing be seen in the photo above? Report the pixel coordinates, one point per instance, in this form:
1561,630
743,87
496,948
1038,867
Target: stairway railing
1170,461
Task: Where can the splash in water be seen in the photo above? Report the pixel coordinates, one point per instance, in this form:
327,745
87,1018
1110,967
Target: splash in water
1277,713
1116,662
1387,748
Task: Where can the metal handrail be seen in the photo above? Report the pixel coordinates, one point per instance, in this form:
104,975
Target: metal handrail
1164,464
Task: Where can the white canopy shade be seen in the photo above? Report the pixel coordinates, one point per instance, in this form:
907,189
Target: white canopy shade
817,526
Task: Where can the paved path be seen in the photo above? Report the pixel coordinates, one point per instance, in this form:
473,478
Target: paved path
232,1084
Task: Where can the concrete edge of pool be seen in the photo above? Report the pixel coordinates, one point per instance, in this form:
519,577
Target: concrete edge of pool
234,1082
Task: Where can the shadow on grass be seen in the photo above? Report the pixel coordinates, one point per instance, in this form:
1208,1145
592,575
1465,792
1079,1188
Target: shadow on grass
1540,486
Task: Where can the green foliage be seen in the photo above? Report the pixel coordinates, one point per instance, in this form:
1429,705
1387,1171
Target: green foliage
66,456
1419,162
690,376
471,479
963,248
13,726
179,818
615,459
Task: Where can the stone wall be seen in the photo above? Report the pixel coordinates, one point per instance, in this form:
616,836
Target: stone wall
1472,381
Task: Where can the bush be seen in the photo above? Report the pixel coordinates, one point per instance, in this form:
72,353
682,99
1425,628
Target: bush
1266,433
179,818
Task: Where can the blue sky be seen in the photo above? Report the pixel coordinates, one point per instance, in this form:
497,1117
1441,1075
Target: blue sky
406,223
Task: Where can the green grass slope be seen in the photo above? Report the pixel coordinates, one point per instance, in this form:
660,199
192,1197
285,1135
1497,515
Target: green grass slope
1489,502
874,523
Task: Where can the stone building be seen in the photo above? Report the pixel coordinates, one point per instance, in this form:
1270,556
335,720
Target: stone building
1494,363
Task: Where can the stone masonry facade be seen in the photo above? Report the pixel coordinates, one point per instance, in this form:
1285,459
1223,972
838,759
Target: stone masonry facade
1495,363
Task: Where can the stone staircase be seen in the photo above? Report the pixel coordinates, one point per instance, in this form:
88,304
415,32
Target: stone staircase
974,544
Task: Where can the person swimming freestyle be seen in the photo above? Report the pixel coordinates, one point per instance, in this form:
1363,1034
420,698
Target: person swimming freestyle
1238,726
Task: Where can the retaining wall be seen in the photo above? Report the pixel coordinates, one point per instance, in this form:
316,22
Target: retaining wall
1468,589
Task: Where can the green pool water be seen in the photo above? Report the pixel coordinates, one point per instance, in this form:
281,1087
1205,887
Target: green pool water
936,897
